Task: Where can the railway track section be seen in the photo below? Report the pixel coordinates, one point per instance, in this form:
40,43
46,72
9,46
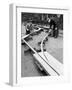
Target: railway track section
51,66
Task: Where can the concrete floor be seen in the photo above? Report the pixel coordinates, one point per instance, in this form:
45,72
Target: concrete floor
54,46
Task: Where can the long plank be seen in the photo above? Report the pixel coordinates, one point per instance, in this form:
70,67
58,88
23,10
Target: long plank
46,67
53,62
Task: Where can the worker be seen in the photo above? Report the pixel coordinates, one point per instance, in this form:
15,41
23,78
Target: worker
54,28
27,29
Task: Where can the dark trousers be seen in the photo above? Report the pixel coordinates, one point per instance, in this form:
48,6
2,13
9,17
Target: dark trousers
55,33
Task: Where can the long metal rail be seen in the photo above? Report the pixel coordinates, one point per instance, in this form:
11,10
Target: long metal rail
44,53
53,63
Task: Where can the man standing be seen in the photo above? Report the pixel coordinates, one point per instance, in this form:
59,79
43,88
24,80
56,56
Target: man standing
54,27
28,28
